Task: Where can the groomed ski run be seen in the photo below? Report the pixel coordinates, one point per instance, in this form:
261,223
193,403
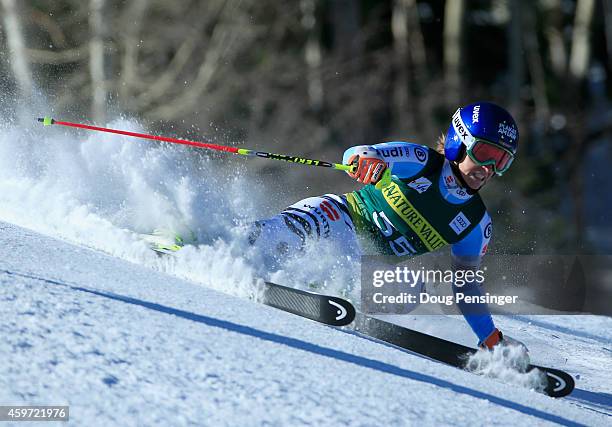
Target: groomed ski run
125,345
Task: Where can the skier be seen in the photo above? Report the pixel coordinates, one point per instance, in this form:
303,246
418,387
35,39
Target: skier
430,200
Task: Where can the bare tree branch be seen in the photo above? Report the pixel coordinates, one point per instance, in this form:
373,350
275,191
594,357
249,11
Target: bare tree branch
399,29
581,44
553,19
163,84
608,28
38,56
515,53
96,60
129,64
222,39
453,36
535,63
421,108
312,54
46,22
16,44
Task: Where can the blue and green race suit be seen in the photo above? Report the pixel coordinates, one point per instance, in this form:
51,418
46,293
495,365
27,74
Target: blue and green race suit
423,209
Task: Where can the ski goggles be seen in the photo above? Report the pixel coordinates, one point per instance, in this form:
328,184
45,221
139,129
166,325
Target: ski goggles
486,153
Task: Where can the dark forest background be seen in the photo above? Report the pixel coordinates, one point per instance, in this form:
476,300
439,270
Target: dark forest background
312,77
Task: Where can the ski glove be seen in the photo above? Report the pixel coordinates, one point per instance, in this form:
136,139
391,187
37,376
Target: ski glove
492,340
368,165
497,338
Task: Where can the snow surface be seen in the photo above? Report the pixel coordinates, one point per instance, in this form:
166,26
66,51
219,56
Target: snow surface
89,317
125,345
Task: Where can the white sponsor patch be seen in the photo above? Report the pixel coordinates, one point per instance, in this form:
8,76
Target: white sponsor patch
420,184
459,223
462,131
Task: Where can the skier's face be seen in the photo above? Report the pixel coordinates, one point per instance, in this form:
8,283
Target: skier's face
474,175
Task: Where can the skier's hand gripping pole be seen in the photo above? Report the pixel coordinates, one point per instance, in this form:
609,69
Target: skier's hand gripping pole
369,167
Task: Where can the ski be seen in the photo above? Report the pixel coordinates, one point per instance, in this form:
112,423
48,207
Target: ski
163,241
560,383
336,311
322,308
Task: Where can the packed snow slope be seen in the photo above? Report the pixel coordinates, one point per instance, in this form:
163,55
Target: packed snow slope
90,317
125,345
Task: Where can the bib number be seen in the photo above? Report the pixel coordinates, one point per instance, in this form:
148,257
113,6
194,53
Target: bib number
400,246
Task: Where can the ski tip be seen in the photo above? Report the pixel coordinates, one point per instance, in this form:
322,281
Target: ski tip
560,383
47,121
344,311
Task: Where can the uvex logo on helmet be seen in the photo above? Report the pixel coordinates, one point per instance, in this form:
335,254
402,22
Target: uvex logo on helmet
463,133
475,114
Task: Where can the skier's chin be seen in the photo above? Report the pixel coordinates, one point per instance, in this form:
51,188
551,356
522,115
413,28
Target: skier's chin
475,183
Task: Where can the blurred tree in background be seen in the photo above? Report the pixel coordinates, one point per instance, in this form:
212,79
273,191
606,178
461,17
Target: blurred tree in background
312,77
